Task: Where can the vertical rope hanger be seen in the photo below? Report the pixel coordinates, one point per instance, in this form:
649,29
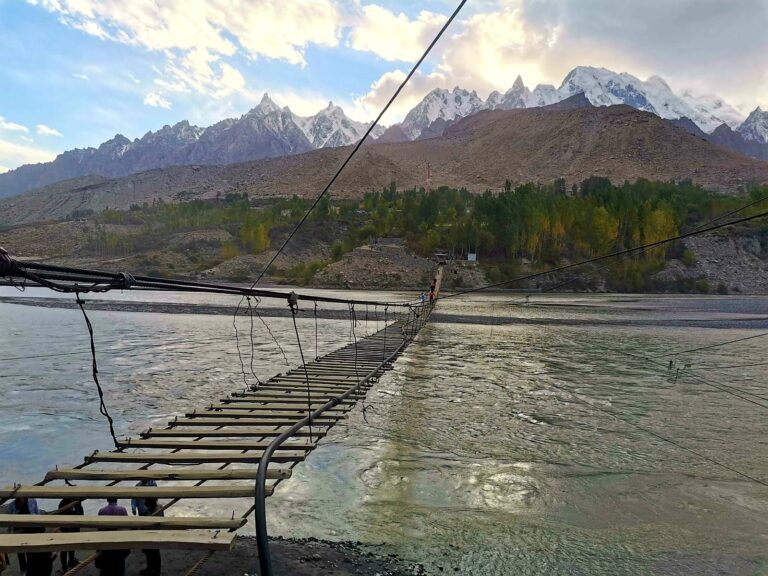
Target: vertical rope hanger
384,349
237,344
253,353
317,355
95,373
293,304
353,322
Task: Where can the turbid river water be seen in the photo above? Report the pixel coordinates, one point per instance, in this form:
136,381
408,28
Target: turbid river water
541,437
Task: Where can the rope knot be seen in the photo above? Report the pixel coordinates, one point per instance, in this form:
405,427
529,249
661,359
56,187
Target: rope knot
8,265
126,280
293,302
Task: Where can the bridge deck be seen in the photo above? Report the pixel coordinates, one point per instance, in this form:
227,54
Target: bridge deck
233,431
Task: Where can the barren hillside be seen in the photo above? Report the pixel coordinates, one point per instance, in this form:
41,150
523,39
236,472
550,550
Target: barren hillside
479,152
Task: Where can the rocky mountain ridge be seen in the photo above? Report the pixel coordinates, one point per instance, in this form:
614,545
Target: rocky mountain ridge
571,139
269,131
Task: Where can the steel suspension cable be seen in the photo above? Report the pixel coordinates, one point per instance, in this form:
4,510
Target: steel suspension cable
610,255
363,139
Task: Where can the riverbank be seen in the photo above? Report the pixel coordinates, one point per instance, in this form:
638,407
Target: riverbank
290,557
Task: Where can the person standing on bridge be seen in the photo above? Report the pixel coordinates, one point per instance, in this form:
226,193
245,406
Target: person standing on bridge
137,504
75,508
154,561
22,506
112,562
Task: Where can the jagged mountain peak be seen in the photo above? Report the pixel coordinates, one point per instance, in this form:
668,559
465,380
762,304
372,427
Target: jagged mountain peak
265,106
518,84
441,105
755,127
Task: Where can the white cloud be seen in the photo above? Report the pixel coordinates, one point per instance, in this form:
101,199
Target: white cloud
14,155
82,76
12,126
196,35
27,139
368,106
44,130
694,46
156,101
393,36
4,169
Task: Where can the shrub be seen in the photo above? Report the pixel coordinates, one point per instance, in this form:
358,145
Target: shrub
722,288
688,258
701,285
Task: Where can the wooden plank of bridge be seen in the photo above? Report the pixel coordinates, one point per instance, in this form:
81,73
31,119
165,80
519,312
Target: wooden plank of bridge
167,475
237,430
214,444
266,417
103,492
116,540
116,522
227,432
194,457
288,407
226,419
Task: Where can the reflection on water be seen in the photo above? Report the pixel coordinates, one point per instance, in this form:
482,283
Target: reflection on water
489,447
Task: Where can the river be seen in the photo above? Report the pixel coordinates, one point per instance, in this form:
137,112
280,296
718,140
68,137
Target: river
547,435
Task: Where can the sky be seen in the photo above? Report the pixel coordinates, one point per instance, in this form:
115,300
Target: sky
76,72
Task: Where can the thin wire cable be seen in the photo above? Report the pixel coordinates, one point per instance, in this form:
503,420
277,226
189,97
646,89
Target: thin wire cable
605,267
271,335
253,353
363,139
294,310
95,373
317,353
611,255
353,319
733,391
662,438
237,343
709,347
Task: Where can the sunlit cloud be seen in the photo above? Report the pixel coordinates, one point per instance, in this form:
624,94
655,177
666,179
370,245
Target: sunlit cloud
14,155
44,130
156,101
196,36
393,36
12,126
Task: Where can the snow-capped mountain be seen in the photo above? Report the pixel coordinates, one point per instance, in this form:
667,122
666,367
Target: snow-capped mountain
601,87
330,127
443,106
755,127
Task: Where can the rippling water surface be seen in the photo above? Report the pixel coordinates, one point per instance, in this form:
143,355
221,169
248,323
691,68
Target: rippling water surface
548,436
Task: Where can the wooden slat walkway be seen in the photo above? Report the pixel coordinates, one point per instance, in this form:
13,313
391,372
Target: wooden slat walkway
232,433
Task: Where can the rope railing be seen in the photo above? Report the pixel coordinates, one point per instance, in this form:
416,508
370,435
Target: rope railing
81,280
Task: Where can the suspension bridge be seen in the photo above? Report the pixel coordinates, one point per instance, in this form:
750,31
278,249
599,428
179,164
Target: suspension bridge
241,446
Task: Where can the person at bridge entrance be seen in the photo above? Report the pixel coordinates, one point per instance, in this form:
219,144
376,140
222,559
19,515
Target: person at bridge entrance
152,555
112,562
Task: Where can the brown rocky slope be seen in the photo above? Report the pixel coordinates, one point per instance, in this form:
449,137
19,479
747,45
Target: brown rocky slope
478,152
